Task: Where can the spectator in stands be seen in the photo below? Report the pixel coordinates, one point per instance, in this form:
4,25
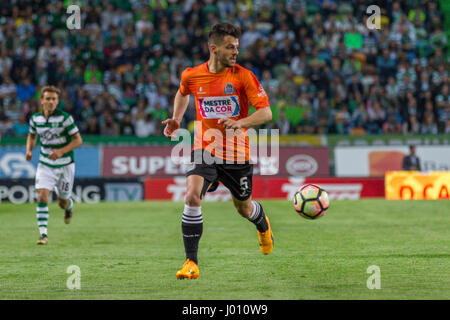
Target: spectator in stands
93,126
447,126
109,127
145,126
136,50
143,25
360,117
322,116
377,116
443,103
429,125
283,123
392,125
44,53
126,126
411,126
13,111
8,90
21,127
342,120
86,113
25,89
5,61
52,69
62,53
6,126
249,37
93,88
411,161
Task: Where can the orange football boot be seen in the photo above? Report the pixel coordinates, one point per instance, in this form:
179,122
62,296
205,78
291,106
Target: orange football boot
266,239
188,271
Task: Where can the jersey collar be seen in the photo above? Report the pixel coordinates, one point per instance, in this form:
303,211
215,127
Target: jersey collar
56,112
214,73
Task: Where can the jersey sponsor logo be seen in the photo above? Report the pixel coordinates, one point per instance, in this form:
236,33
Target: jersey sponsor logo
218,107
49,135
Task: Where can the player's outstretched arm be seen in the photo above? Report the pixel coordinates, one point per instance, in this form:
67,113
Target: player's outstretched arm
31,142
180,105
75,143
260,116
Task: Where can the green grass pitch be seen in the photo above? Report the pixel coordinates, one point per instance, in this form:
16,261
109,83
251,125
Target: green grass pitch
133,250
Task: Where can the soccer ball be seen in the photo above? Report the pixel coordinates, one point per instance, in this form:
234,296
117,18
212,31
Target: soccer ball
311,201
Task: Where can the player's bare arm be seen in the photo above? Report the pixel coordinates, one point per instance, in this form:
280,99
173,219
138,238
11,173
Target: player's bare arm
75,143
260,116
31,142
180,105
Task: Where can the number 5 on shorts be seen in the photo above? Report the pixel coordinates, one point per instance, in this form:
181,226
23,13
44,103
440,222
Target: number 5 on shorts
244,185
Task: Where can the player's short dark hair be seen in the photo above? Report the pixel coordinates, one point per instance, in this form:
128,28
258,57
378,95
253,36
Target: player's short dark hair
222,29
50,89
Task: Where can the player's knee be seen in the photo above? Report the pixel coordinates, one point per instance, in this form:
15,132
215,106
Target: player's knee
193,199
42,198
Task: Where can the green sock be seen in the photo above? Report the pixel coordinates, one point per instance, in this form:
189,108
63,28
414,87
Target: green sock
42,217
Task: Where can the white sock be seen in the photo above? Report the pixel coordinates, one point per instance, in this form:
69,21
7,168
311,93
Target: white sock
42,217
192,215
255,212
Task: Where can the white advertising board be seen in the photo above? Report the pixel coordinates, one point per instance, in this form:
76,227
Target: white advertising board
374,161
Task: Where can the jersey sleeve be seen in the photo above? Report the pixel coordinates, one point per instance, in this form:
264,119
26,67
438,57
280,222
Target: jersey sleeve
184,88
255,92
32,126
70,126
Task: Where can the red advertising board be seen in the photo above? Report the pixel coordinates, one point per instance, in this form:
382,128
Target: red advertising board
265,187
155,161
304,161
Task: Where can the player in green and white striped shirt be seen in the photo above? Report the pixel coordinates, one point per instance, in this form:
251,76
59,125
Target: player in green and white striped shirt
59,136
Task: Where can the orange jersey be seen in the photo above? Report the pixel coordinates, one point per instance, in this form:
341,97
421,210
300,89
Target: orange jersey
222,95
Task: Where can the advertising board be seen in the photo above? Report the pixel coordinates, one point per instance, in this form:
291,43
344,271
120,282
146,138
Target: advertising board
375,161
415,185
270,188
146,161
14,165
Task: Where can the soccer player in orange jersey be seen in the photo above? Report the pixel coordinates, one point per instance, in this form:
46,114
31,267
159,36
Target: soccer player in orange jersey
222,91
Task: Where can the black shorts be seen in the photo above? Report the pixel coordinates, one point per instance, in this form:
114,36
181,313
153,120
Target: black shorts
236,177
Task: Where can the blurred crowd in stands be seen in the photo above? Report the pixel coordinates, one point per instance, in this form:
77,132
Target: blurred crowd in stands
324,70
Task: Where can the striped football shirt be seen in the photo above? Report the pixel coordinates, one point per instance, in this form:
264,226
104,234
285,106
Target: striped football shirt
54,133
